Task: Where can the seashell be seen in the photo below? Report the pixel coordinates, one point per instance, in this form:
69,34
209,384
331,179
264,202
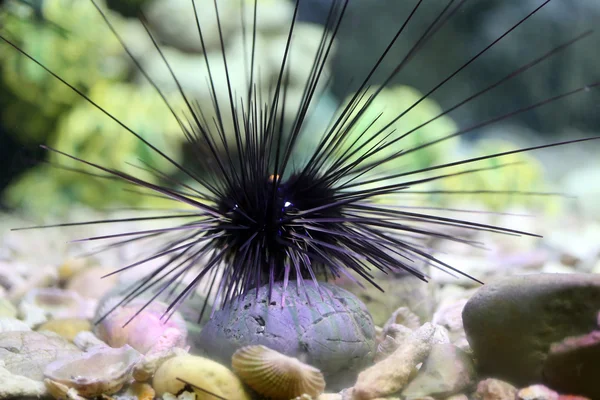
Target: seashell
146,368
86,340
398,332
403,316
275,375
99,371
60,391
385,348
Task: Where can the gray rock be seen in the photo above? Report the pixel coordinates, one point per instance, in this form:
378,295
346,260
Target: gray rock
27,353
19,387
511,323
495,389
447,370
334,333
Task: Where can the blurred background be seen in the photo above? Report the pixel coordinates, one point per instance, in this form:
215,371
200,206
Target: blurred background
71,38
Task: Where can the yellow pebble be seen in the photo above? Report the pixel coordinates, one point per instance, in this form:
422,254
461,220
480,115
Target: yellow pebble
66,327
200,372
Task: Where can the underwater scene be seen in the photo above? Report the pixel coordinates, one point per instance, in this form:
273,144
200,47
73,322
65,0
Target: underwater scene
300,199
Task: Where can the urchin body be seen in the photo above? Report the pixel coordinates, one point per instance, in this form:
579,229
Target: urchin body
267,218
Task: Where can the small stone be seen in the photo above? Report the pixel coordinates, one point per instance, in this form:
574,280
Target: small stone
573,365
511,323
393,373
537,392
42,278
330,396
138,391
458,397
70,268
446,371
189,309
9,277
201,372
450,317
7,309
142,331
17,386
67,327
12,325
90,283
495,389
41,304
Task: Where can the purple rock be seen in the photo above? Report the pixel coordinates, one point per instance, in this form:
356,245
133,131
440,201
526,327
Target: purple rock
333,332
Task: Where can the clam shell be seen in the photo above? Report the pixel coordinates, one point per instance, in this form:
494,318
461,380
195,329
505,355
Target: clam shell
102,370
275,375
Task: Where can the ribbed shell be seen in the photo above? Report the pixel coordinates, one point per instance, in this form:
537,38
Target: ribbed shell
275,375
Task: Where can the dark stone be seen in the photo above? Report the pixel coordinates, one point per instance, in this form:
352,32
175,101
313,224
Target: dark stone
512,323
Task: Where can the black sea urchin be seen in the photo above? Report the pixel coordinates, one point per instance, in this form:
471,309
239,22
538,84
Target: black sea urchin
258,215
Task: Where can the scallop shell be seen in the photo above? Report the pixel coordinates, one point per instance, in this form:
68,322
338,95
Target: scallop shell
275,375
